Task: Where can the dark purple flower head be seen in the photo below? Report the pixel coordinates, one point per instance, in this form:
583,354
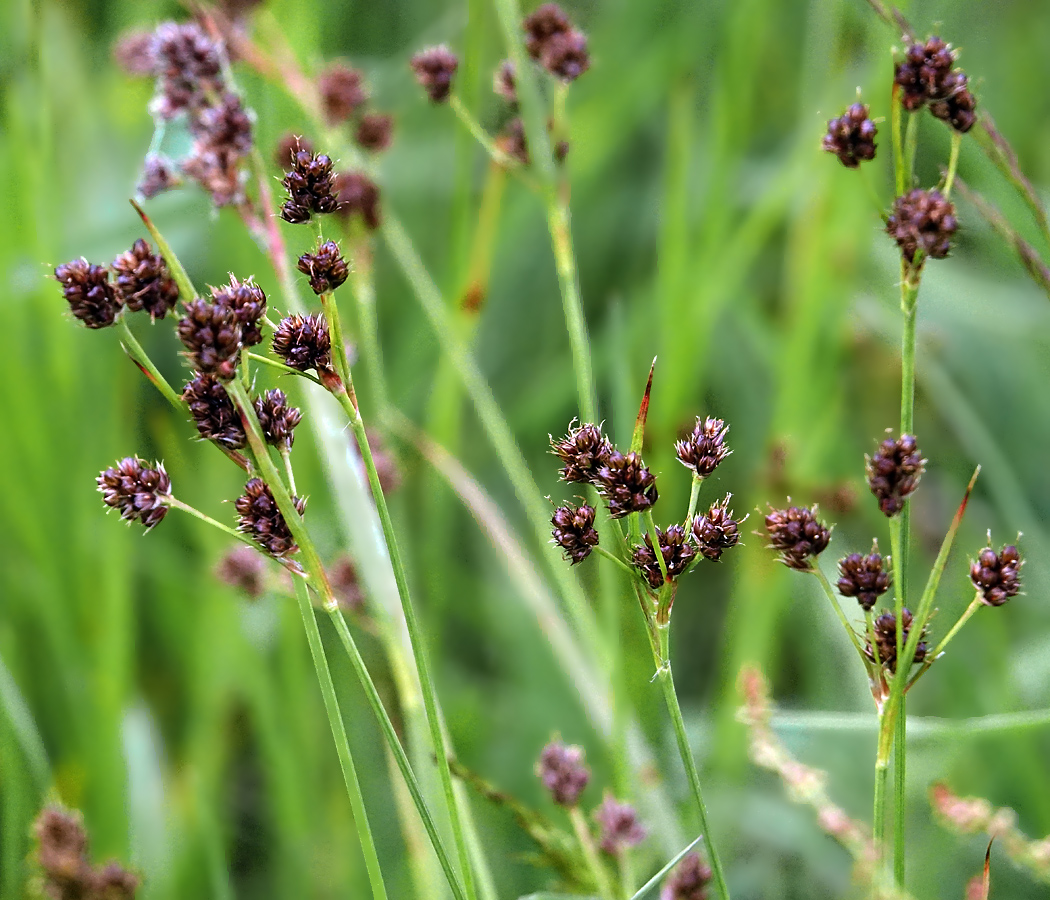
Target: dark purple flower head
143,281
61,851
851,136
503,82
675,548
310,186
864,577
188,66
277,419
434,68
563,772
582,451
798,535
260,519
894,472
244,569
248,303
620,828
689,881
303,342
922,221
574,531
997,576
326,268
374,132
543,24
626,484
565,54
158,175
342,92
885,628
716,530
89,292
136,490
705,448
358,195
212,336
213,412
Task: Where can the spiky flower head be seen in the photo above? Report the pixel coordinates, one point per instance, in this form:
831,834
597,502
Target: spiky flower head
244,569
625,483
689,881
565,54
213,412
303,342
189,68
374,132
574,531
260,519
136,490
325,267
277,419
705,448
89,292
716,530
143,281
158,175
540,26
922,221
434,68
894,472
864,577
310,187
798,535
342,91
563,772
248,303
997,576
582,451
925,74
885,627
675,547
212,336
619,827
956,105
222,141
851,136
61,851
358,195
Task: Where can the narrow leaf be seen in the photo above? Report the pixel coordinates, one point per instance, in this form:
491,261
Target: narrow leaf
186,288
643,413
659,876
978,887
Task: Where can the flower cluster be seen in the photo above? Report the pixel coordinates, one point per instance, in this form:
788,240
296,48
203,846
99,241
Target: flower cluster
555,44
434,68
574,531
325,267
675,548
563,772
798,535
997,576
260,519
885,628
689,881
922,221
851,136
344,99
863,577
136,490
310,186
62,855
926,75
894,472
705,448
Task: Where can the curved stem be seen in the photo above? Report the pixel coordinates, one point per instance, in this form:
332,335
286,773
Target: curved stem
139,356
826,585
590,853
288,370
610,556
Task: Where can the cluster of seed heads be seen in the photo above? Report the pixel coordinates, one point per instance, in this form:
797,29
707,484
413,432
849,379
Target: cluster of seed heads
885,628
65,866
926,75
922,222
851,136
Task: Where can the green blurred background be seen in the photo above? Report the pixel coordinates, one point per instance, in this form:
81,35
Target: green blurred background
711,233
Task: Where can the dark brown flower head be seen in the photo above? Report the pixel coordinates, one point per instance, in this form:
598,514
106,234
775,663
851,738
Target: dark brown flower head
310,187
61,851
716,530
248,303
303,342
574,531
277,419
89,293
922,221
136,490
620,828
434,68
259,517
798,534
158,175
689,881
958,105
863,577
374,132
358,195
342,92
705,448
885,627
326,268
565,54
189,67
223,140
676,549
997,576
851,137
212,336
503,82
213,412
346,586
563,772
922,71
135,52
113,882
582,451
244,569
144,282
894,472
547,21
287,146
625,483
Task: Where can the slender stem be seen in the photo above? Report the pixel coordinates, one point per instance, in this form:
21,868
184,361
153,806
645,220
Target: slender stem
288,370
142,360
655,537
286,458
362,284
342,746
479,133
694,498
826,585
953,163
590,853
931,658
879,814
898,147
610,556
671,699
911,143
626,875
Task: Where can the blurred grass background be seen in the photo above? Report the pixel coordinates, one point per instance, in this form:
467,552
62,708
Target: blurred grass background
710,233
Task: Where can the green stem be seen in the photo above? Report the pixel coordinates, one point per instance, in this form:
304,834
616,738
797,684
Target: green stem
975,605
139,356
953,164
590,853
879,815
342,746
281,367
612,557
911,143
828,590
694,498
479,133
898,147
655,537
362,284
626,875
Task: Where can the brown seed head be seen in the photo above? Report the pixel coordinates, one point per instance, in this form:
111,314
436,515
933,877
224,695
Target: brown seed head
223,140
676,549
922,71
894,472
326,268
61,852
277,419
358,195
310,187
213,412
958,105
248,303
136,490
997,576
716,530
547,21
342,92
625,483
244,569
582,451
113,882
863,577
303,342
620,828
259,517
563,772
434,68
374,132
189,68
212,336
885,627
89,293
798,535
689,881
158,175
922,220
705,448
574,531
851,137
143,281
565,54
